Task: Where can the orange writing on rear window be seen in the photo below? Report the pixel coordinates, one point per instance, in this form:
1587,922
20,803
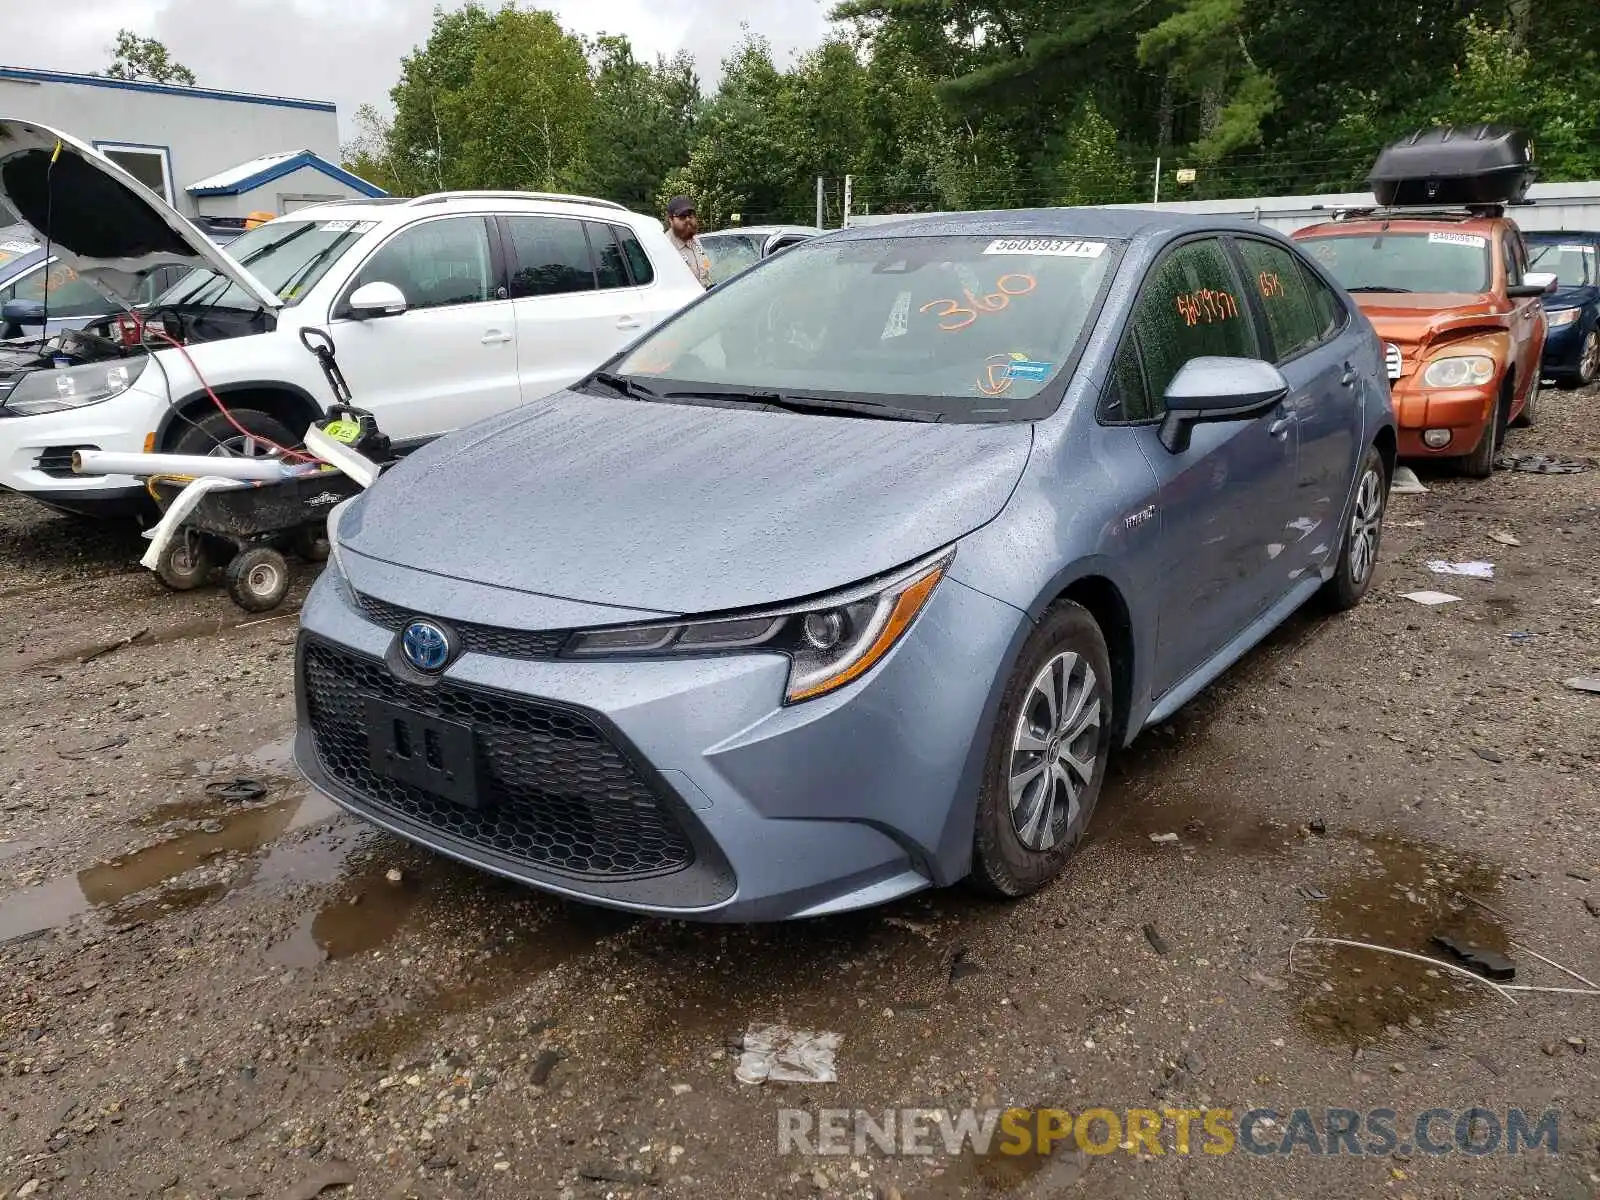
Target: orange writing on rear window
1207,307
1271,285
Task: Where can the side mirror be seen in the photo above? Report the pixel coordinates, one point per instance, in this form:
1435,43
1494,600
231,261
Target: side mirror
377,299
22,312
1208,390
782,241
1534,283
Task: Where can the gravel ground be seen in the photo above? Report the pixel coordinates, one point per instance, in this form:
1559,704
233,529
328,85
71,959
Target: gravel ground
209,992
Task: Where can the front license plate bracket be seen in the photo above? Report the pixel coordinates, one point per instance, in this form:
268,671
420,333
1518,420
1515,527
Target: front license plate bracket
439,757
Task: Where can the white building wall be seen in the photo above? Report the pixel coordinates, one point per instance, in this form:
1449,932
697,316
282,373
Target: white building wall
204,131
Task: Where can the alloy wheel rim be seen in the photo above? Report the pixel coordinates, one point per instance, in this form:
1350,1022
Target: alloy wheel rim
1590,366
1054,750
1366,522
240,446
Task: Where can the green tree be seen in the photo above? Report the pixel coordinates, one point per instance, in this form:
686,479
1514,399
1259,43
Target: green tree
428,136
1094,170
642,123
135,57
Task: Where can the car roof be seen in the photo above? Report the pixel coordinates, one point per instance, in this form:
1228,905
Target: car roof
1478,225
1561,235
391,210
1118,224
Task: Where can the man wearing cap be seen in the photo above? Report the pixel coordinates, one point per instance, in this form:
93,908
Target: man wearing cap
683,228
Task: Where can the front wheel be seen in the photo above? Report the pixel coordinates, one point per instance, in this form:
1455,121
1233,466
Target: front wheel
1358,554
1588,362
1480,463
258,579
1047,760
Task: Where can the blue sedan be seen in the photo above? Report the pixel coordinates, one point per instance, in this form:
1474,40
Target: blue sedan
1572,349
846,581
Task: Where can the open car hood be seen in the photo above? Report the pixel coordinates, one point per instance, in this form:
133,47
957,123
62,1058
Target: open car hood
98,219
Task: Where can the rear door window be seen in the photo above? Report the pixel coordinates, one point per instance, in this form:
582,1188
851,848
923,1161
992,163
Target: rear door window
638,261
1293,323
549,256
611,270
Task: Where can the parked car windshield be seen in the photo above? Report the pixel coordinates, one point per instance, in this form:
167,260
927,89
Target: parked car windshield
731,253
1434,262
288,257
961,327
1574,264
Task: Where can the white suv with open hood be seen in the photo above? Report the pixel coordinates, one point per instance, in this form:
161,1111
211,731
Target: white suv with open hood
444,309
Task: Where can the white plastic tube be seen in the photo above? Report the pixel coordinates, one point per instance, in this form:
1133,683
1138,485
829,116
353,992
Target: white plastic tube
193,466
354,464
167,528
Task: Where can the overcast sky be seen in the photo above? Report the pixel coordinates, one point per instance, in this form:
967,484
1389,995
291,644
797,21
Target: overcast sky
349,51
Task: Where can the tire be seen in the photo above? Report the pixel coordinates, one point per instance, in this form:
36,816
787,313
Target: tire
1013,855
213,433
1588,363
1363,536
258,579
186,562
311,543
1530,411
1480,463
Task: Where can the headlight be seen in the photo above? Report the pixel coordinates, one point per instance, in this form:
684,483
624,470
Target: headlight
1563,316
829,641
1467,371
73,387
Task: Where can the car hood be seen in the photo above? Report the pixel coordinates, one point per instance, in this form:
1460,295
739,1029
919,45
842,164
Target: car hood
683,509
1572,296
1419,319
99,220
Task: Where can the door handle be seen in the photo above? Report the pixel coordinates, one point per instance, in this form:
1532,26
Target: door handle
1280,428
495,338
627,322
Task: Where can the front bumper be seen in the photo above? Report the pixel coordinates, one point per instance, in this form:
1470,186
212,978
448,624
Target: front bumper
1466,412
1563,349
747,810
35,452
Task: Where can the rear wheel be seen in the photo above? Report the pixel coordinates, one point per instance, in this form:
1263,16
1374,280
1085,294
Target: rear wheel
1480,463
1358,555
258,579
1047,760
185,563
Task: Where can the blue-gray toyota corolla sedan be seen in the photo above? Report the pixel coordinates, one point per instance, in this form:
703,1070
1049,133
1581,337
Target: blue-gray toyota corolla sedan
846,581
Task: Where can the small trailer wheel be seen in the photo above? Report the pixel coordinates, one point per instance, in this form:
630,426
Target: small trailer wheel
258,579
311,543
185,563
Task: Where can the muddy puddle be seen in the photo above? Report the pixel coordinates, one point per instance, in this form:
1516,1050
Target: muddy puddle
1202,818
972,1176
226,843
1400,894
235,621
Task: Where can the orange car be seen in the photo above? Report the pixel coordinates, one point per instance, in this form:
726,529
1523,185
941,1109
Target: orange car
1451,296
1442,273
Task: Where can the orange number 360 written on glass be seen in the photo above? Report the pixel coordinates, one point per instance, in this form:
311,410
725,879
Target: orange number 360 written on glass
1007,286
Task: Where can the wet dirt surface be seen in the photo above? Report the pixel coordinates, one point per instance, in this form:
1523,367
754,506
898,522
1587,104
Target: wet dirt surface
210,989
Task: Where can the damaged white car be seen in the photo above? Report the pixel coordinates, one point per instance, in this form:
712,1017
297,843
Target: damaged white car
445,309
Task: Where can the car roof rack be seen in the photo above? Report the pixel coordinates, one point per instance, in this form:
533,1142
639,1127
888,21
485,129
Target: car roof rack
1460,212
556,197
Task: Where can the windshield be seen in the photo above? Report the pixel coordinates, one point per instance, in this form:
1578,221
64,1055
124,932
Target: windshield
1405,262
288,257
15,242
962,327
1574,264
731,253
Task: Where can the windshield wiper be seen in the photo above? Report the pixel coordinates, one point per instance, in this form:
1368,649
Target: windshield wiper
625,385
799,402
1376,287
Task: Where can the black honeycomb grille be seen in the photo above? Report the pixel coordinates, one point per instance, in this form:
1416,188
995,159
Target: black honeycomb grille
556,793
476,639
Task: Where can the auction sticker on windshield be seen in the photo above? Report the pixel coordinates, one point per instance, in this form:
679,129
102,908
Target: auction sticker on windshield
1055,247
1459,239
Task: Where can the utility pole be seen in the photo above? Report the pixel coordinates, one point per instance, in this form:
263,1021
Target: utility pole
821,201
849,182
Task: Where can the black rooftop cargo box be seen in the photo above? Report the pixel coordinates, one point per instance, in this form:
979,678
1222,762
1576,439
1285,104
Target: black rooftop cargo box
1455,165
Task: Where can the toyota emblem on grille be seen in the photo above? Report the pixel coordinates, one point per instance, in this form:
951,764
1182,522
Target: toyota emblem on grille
426,646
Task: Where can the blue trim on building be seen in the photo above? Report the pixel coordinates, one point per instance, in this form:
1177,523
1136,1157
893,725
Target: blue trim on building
29,75
288,166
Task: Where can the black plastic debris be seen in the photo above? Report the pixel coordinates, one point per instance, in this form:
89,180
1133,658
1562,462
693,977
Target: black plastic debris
1307,892
236,791
1487,963
1545,464
1319,827
1157,942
